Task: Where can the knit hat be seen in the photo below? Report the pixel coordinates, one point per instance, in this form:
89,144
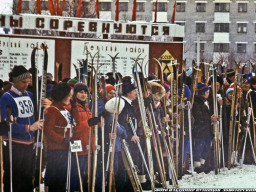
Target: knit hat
229,90
112,104
79,87
238,89
187,92
127,85
19,73
167,87
230,72
72,82
202,88
219,79
109,87
157,90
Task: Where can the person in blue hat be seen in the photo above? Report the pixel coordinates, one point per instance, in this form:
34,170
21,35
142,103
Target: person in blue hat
202,128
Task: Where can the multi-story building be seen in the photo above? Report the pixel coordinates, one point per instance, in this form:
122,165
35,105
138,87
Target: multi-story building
226,28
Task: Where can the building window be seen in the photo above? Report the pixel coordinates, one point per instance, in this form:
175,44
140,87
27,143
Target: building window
200,27
242,7
200,7
180,7
221,27
25,6
123,6
221,47
222,7
241,48
140,7
105,6
161,7
182,23
242,28
202,47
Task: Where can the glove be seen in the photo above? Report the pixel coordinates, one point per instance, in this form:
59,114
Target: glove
103,114
93,121
4,127
66,140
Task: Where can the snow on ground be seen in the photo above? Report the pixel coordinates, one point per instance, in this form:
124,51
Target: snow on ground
234,178
237,177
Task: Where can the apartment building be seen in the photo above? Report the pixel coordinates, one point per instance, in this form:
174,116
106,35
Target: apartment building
227,28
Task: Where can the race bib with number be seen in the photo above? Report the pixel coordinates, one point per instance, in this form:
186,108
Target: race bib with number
76,146
66,114
25,106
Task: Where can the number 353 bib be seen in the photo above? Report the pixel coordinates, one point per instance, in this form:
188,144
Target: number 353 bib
25,106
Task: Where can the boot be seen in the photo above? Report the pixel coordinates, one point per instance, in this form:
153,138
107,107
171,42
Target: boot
145,184
236,159
197,166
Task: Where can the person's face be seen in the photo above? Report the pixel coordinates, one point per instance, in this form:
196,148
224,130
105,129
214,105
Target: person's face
167,94
110,94
232,79
82,95
254,86
66,100
206,94
132,95
230,95
22,85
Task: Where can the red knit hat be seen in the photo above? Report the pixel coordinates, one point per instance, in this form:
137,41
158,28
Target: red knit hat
109,87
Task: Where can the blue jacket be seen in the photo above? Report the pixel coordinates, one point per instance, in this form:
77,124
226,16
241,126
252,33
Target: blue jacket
20,127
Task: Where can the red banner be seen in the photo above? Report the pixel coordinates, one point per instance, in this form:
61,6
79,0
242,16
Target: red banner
134,11
173,12
155,19
97,8
38,6
62,7
79,13
19,7
51,7
117,11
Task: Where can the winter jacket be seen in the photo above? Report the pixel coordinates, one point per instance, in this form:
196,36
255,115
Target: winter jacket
120,132
81,130
21,127
123,119
202,116
55,126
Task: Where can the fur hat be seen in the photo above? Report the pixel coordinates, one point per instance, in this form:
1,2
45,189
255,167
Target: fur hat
111,105
60,91
18,73
127,85
157,90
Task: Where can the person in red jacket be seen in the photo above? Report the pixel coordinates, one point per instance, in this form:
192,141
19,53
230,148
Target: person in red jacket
57,133
81,132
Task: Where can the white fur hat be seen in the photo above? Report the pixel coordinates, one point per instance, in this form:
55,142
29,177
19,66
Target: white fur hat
111,105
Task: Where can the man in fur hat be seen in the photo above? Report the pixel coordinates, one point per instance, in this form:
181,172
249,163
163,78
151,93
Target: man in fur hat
129,94
23,127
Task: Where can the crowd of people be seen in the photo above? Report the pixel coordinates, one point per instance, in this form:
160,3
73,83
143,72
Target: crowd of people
69,115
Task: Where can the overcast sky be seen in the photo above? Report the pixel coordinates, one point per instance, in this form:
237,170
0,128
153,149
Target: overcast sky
6,6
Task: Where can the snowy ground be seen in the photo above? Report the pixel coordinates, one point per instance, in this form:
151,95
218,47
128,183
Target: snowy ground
234,178
239,178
